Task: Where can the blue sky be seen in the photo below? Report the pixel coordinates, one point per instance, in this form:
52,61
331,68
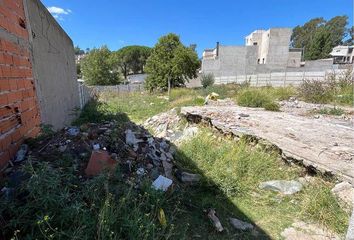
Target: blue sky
118,23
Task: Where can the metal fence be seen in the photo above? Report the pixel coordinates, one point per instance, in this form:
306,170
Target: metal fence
277,79
86,93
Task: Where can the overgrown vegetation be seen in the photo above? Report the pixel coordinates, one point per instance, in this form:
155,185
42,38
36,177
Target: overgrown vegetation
257,98
337,89
330,111
207,80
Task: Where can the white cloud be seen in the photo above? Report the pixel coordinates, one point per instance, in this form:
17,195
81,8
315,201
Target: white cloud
58,12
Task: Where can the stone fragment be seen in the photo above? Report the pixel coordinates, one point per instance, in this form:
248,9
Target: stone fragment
99,161
240,225
188,177
283,186
217,224
168,169
345,192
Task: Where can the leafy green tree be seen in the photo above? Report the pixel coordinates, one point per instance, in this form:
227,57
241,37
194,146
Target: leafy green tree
320,46
306,35
97,68
337,29
131,59
170,64
78,51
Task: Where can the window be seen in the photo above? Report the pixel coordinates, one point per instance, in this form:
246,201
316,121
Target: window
258,61
263,60
255,43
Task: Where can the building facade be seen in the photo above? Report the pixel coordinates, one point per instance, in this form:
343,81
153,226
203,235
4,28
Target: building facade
343,55
264,50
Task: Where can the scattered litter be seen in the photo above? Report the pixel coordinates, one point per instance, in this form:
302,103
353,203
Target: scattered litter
73,131
162,183
244,115
140,171
283,186
21,153
99,161
212,96
96,147
240,225
215,219
162,218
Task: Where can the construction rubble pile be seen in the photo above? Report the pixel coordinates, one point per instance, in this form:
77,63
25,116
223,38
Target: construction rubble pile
96,148
169,125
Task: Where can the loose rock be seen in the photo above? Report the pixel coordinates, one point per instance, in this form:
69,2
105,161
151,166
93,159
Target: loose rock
217,224
285,187
240,225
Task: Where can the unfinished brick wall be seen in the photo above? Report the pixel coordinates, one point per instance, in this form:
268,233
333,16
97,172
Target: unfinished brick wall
19,113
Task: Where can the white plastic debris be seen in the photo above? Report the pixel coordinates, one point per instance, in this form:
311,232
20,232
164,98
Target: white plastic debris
21,153
162,183
140,171
96,147
73,131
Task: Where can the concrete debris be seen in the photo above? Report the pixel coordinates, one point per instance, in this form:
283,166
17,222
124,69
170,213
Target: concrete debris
217,224
345,192
350,232
308,231
240,225
282,186
162,183
21,153
188,177
168,125
306,140
168,169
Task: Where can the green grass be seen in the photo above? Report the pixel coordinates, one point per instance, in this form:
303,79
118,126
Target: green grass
330,111
258,98
237,169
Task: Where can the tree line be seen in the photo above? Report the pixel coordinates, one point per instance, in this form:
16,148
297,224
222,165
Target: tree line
168,64
318,37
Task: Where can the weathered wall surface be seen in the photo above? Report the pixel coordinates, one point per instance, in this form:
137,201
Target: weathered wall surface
53,67
19,112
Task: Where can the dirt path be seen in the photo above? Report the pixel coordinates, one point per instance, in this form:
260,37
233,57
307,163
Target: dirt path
321,143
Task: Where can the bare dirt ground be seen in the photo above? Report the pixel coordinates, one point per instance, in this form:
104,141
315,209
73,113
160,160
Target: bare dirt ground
325,143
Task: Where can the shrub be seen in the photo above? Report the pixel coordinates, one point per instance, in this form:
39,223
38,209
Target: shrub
207,80
331,111
253,98
272,106
316,91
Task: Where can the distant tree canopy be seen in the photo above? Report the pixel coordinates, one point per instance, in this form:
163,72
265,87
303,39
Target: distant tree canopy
170,64
97,68
319,36
78,51
131,59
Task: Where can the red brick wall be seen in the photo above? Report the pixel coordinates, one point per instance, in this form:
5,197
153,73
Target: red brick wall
19,113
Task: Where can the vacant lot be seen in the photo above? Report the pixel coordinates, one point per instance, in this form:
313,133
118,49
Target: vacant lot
56,202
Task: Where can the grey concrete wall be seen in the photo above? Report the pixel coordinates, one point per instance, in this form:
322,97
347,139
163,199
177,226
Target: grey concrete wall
278,50
53,66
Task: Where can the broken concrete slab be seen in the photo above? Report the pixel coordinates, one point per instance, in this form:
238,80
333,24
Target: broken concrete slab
345,192
308,231
99,161
301,139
